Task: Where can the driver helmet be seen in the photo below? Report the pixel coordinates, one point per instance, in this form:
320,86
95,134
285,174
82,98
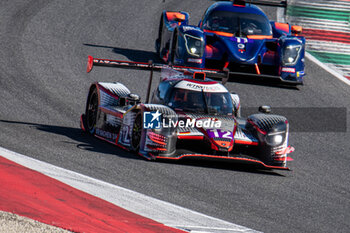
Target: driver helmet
216,21
192,98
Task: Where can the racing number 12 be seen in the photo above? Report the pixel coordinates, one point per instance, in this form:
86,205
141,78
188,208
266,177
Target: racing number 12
218,133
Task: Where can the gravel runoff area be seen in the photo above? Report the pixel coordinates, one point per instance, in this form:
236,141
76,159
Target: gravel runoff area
12,223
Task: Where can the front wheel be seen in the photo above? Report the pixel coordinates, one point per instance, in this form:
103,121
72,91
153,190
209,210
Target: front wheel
91,111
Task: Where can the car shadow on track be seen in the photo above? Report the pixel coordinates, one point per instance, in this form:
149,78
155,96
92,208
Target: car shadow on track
87,142
237,167
131,54
256,81
79,138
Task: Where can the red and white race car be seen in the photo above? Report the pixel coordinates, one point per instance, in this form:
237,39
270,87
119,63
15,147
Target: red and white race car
188,116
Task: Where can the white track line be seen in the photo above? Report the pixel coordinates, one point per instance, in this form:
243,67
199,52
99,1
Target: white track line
326,4
345,6
322,24
328,69
330,47
281,17
160,211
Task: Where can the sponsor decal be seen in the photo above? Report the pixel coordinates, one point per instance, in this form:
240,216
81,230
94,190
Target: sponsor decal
240,46
195,60
200,87
152,120
300,73
190,28
105,134
288,69
216,87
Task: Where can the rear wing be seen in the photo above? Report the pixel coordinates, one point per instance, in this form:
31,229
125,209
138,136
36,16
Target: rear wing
224,75
275,3
269,3
215,73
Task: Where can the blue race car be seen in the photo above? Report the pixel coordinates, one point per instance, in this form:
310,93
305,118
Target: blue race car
237,37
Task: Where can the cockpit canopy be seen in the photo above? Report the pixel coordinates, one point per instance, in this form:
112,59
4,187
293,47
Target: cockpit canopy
193,93
237,23
210,99
217,103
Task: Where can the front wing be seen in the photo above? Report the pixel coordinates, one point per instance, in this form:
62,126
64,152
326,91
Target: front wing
243,159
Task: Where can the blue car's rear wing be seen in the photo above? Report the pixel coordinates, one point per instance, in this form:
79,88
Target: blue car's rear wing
277,3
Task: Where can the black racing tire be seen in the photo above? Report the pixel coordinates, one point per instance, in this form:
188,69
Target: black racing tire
136,133
173,48
91,111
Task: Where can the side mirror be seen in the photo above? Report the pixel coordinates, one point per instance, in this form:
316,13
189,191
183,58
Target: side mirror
175,16
265,109
296,30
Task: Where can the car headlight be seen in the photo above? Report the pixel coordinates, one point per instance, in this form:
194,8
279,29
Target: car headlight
194,45
275,139
291,54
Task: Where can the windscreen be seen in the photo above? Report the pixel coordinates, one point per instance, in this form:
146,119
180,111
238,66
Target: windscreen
239,24
216,103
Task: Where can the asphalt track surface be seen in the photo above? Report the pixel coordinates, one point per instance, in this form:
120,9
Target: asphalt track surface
43,87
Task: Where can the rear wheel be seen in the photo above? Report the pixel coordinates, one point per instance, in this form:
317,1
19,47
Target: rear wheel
136,133
91,111
173,51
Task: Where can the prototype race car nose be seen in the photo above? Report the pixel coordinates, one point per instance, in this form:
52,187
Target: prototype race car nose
223,145
221,140
244,50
